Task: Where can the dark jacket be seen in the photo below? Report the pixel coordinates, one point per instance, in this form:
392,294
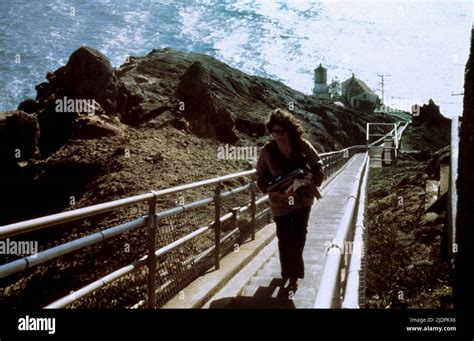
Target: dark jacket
272,163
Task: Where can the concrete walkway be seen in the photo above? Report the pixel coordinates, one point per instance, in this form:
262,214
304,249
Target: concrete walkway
265,288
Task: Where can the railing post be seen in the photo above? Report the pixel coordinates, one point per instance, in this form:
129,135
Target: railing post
151,253
253,208
367,136
331,167
217,223
336,301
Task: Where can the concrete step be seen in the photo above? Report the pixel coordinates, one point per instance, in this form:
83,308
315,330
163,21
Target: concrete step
314,257
315,264
311,269
320,235
258,291
244,302
310,281
267,281
303,304
269,292
272,266
274,259
269,273
310,257
275,272
309,277
302,293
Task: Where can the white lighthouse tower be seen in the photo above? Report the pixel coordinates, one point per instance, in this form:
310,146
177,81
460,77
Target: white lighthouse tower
320,82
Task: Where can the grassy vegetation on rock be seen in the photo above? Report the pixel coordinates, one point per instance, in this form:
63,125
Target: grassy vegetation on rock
406,268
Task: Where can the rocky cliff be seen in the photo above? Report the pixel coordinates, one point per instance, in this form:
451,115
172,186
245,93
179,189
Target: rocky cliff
430,115
156,121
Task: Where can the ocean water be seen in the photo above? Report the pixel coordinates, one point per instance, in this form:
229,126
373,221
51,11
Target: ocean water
423,45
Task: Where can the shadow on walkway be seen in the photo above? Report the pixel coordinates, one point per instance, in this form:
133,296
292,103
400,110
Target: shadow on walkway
273,296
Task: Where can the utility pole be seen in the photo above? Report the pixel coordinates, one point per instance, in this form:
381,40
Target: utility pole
458,94
453,176
382,83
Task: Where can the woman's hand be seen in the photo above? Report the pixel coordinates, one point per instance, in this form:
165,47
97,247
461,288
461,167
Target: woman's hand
297,183
306,180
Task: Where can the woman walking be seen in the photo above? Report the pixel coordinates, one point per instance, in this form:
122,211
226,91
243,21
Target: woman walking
291,205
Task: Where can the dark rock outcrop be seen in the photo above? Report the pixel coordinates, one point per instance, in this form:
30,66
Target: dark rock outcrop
87,75
19,137
442,156
29,106
249,127
207,118
56,128
463,293
430,115
155,81
87,78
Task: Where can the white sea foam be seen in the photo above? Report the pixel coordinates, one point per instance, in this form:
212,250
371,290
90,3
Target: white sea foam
423,45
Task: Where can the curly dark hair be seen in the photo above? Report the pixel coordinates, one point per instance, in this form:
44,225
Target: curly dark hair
289,123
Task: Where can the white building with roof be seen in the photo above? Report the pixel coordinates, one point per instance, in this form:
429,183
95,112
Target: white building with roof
358,95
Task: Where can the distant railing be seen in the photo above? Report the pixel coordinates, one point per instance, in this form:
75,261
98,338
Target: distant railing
385,149
395,133
333,161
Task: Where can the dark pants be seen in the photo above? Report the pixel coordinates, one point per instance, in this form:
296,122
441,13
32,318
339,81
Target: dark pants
291,232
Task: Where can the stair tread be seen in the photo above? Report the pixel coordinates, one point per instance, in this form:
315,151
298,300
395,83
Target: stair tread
268,303
303,292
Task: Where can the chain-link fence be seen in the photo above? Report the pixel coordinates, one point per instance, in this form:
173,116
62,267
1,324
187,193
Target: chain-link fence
187,240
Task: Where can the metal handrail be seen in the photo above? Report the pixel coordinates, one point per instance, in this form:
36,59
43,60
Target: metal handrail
328,294
77,244
351,293
74,245
342,150
395,134
85,212
334,160
389,134
14,229
74,296
331,285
